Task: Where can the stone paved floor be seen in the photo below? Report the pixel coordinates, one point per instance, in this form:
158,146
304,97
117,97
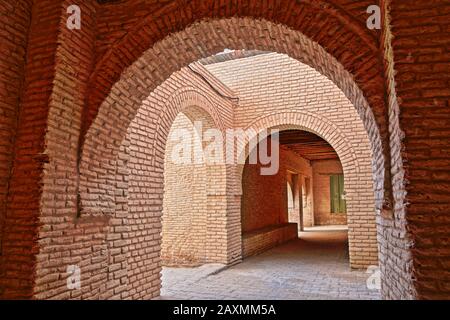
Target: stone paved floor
313,267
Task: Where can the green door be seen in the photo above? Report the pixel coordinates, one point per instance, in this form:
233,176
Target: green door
338,204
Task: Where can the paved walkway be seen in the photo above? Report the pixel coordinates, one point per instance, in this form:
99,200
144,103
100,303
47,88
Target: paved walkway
313,267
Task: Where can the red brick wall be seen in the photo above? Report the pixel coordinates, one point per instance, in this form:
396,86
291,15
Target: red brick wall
322,205
82,239
264,198
420,117
47,131
15,22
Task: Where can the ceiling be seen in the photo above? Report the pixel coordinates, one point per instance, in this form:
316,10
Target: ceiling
307,145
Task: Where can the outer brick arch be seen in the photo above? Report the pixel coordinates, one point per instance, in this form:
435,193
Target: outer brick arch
147,136
104,137
323,21
361,215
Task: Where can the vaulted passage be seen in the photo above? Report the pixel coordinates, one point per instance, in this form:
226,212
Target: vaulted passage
92,205
307,190
238,186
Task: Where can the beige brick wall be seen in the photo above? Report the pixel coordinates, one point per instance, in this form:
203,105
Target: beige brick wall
264,199
15,21
188,207
277,91
186,92
258,241
185,210
322,205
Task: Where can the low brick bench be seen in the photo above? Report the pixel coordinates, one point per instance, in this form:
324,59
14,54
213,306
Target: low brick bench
258,241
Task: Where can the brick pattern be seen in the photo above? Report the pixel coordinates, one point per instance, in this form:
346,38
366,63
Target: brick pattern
116,115
186,92
311,269
420,115
264,198
49,83
185,205
190,195
55,198
258,241
279,103
15,22
65,238
342,32
395,257
322,205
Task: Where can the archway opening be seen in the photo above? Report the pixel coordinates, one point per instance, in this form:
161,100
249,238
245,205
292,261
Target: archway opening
203,200
219,86
185,203
305,199
193,171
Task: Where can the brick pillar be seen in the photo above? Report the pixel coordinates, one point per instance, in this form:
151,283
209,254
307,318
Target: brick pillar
19,246
58,64
421,159
15,21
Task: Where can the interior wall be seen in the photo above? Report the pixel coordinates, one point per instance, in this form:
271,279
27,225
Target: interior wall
185,208
322,169
264,199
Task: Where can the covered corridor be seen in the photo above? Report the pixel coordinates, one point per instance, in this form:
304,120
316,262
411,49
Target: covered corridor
312,267
86,205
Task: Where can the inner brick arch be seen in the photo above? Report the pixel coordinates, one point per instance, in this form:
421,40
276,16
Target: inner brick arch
358,175
185,100
188,93
149,70
187,217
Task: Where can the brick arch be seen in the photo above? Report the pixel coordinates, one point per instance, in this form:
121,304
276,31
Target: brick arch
305,16
361,214
116,111
182,101
187,202
307,121
169,104
147,136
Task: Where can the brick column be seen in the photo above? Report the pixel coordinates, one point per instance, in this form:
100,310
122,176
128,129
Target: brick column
419,121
